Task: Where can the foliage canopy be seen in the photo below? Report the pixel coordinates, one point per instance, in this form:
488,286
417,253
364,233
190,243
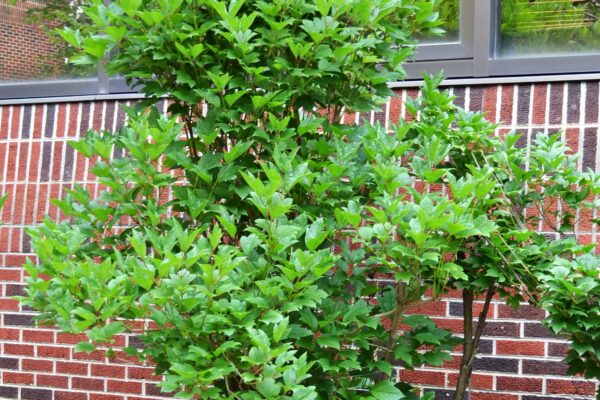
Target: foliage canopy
222,242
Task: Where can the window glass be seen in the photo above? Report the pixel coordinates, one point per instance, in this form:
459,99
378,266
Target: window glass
549,27
30,49
449,13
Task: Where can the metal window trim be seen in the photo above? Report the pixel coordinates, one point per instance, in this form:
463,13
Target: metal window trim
450,68
59,87
544,65
442,51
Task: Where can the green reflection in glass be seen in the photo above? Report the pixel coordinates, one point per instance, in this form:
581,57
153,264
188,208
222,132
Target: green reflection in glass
449,13
538,27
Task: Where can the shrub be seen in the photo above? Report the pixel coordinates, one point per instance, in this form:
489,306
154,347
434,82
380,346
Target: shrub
274,251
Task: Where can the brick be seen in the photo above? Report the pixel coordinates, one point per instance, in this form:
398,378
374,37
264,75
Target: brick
53,352
557,349
591,102
496,364
135,341
36,394
514,384
146,373
539,103
537,330
38,336
506,105
523,103
453,325
15,260
556,102
124,387
59,395
9,363
18,349
153,389
95,355
486,346
542,367
501,329
73,368
10,275
478,381
53,381
564,386
444,394
37,365
9,334
573,102
457,309
9,305
525,311
432,308
493,396
524,348
70,338
452,364
87,384
544,398
18,378
18,320
15,290
9,392
430,378
107,370
141,398
98,396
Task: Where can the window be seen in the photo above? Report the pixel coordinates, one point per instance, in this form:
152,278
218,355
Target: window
33,60
542,27
513,37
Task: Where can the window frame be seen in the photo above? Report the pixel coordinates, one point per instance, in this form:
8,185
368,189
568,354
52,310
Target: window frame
484,25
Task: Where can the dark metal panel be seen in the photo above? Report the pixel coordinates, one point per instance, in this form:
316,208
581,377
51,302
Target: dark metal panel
451,68
66,87
118,85
545,65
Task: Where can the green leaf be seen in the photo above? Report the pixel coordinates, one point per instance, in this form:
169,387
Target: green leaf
315,234
143,275
130,6
280,329
237,150
328,340
428,338
385,390
84,347
269,388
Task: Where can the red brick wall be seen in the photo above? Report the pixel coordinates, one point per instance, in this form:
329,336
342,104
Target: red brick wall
26,52
519,360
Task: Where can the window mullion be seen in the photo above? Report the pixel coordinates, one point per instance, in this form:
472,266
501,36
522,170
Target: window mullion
483,28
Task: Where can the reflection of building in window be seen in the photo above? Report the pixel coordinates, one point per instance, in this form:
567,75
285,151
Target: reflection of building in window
549,26
27,50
